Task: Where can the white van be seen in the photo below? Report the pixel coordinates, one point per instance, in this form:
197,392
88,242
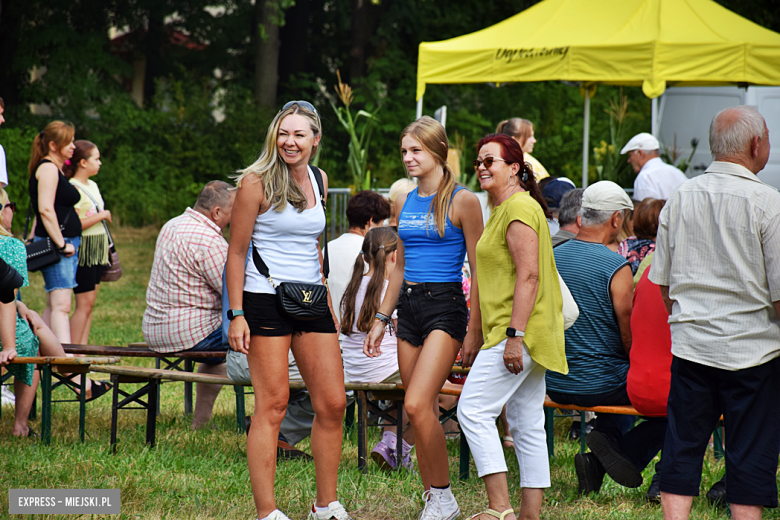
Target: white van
688,111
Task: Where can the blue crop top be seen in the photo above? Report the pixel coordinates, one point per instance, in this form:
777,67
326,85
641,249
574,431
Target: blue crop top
429,257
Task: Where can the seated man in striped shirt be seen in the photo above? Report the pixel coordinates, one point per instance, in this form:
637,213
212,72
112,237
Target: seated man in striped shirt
598,343
184,297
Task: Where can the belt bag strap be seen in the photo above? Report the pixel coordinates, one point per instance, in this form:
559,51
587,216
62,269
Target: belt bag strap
258,260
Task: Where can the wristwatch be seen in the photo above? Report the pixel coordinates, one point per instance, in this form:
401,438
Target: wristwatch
514,333
232,314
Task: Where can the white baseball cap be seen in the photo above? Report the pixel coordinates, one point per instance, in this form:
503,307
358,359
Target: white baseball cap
606,196
643,141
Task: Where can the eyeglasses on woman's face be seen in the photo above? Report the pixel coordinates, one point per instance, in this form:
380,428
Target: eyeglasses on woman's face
11,205
488,161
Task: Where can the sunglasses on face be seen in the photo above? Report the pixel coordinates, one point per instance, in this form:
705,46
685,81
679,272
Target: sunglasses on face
11,205
305,104
488,162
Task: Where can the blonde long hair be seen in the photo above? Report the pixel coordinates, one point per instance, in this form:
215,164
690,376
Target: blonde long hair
377,245
433,139
519,128
3,201
58,132
278,186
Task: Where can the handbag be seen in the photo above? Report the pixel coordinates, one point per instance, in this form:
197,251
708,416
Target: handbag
301,301
43,253
113,271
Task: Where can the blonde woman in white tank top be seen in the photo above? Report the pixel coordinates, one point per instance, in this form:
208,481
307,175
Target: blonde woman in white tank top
278,211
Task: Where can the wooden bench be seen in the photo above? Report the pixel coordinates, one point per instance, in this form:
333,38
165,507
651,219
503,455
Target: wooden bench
171,360
367,395
51,368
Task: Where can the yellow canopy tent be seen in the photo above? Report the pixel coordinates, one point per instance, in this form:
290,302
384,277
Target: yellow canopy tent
647,43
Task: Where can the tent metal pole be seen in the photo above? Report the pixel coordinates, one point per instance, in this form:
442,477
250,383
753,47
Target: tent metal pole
654,116
585,139
418,115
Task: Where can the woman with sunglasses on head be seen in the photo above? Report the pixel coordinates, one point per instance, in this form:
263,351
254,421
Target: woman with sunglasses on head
439,223
94,256
23,333
281,219
53,199
523,323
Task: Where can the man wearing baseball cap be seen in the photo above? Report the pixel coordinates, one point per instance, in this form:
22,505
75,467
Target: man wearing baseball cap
598,343
654,178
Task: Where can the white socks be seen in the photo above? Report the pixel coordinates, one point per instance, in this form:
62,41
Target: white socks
390,439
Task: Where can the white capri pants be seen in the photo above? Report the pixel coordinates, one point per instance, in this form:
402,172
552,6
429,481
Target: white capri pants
488,387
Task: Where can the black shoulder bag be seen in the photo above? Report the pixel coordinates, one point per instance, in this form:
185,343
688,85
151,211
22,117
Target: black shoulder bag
301,301
43,253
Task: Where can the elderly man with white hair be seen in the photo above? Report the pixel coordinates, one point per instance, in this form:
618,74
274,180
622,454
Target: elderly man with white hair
654,178
717,262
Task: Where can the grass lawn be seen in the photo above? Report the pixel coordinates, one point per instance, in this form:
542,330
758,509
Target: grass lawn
204,474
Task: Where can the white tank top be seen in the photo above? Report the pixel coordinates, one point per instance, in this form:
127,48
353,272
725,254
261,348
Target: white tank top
287,242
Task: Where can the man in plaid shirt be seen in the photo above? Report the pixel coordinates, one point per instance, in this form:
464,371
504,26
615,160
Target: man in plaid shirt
184,297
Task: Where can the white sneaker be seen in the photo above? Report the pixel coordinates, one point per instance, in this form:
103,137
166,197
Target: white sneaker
277,515
440,504
335,512
8,398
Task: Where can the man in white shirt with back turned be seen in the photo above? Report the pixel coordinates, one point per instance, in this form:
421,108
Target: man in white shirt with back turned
717,262
654,178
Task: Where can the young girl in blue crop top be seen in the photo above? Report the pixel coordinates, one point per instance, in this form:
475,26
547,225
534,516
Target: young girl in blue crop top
439,224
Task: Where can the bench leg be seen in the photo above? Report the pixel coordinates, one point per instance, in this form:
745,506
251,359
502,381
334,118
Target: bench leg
151,412
34,409
82,405
582,432
362,421
114,410
399,435
240,408
549,426
188,367
349,419
46,404
157,365
465,455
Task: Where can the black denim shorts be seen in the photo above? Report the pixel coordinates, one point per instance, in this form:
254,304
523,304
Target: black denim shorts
425,307
265,319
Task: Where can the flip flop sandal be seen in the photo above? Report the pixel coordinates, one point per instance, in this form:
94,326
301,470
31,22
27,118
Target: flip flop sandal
98,388
493,513
508,439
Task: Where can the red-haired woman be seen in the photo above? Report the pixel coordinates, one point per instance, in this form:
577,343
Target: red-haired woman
522,321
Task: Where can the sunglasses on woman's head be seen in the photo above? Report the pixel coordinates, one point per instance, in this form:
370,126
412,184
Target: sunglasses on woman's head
305,104
488,162
11,205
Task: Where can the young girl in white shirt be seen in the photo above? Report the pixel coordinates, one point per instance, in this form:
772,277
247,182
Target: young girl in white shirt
359,305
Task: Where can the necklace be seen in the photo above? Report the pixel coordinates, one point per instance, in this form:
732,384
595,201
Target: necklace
426,195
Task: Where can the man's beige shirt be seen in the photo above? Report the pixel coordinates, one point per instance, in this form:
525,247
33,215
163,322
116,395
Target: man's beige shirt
718,250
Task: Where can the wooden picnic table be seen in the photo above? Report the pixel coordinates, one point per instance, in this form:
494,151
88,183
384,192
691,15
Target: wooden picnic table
53,367
171,360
